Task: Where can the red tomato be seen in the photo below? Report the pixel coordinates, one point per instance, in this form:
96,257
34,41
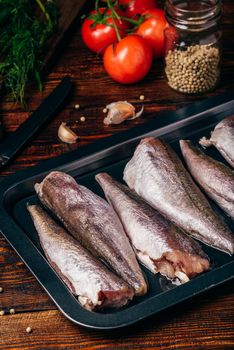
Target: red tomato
171,36
129,60
152,30
97,37
132,8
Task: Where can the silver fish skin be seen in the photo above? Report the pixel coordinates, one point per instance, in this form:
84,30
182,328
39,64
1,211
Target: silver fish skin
92,221
159,245
222,137
95,286
157,174
214,177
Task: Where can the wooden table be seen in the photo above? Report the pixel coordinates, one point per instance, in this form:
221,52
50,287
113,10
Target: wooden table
205,322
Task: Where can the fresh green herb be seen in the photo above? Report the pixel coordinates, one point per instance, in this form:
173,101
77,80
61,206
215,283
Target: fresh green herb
25,26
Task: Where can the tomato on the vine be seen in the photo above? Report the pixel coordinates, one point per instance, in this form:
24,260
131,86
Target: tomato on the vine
129,60
152,30
132,8
98,30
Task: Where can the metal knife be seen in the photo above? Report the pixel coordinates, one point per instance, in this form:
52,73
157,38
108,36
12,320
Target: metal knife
48,108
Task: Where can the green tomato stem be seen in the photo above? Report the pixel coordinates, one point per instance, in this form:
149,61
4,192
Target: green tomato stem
97,6
114,15
133,21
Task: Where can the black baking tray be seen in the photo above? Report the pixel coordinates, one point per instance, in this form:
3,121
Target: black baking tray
111,155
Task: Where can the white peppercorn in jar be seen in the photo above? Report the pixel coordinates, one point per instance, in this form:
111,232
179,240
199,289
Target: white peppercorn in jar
193,48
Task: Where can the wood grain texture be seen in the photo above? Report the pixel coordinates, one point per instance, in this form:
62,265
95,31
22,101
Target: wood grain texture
69,11
183,327
21,290
205,322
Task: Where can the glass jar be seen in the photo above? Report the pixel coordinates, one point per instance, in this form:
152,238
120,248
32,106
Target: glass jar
193,49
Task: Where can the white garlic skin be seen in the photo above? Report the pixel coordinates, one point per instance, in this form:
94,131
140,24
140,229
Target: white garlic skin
66,135
120,111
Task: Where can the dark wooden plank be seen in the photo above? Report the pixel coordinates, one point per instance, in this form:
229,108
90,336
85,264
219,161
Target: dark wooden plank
68,13
20,289
192,326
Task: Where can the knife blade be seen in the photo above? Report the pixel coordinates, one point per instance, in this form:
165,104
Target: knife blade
48,108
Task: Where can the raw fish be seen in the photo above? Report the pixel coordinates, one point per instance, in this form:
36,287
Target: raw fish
92,221
214,177
160,245
223,139
157,174
95,286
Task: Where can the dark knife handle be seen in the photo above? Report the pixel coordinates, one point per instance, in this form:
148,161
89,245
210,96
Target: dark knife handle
13,143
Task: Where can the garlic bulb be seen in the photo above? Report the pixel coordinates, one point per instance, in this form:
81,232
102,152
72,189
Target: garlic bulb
65,134
120,111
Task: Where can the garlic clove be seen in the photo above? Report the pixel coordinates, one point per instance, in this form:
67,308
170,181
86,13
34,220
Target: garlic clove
66,135
119,112
138,114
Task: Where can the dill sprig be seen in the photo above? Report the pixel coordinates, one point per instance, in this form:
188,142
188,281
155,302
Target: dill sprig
25,26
